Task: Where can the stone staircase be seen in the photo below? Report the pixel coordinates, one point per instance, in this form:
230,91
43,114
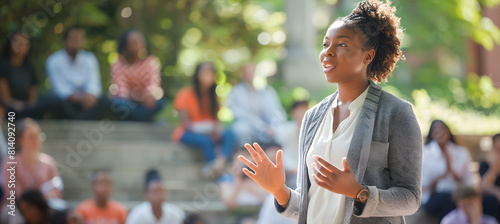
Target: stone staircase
127,150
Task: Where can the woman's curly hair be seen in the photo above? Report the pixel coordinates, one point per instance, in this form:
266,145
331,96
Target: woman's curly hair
383,33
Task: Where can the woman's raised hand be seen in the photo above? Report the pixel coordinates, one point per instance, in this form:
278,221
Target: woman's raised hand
269,176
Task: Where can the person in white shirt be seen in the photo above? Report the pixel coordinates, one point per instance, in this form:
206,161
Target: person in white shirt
237,190
155,210
445,166
258,112
75,77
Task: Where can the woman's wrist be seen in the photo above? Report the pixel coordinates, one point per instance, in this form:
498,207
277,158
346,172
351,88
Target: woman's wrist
282,195
355,190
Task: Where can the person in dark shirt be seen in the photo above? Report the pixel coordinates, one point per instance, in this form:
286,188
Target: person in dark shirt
18,80
490,174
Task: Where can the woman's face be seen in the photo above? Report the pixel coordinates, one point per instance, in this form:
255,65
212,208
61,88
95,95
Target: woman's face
206,76
343,57
136,44
440,133
30,139
20,45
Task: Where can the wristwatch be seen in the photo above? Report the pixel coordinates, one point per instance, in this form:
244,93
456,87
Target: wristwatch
363,194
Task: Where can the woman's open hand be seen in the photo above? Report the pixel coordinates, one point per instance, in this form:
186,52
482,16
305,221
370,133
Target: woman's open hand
269,176
333,179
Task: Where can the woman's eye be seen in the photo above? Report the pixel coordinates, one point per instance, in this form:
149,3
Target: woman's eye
341,45
324,45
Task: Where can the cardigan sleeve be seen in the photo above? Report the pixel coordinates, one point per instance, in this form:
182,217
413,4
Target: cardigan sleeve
405,165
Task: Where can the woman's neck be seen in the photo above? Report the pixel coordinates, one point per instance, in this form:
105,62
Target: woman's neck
443,145
205,91
16,60
30,159
348,92
131,59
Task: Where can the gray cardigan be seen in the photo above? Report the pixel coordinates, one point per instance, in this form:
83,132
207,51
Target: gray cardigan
385,154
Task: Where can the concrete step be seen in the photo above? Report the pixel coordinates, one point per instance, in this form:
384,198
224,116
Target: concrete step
188,206
133,175
112,152
127,150
63,129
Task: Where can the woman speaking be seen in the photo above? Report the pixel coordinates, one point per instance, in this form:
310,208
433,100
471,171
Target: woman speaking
360,148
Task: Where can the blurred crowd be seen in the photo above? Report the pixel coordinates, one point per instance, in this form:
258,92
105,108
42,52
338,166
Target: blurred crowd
451,193
135,94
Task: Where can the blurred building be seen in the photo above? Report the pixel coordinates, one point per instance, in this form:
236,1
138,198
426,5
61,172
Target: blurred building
482,61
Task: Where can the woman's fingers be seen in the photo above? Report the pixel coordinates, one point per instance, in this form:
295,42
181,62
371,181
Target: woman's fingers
346,167
317,170
253,153
249,174
279,158
322,163
260,151
319,182
247,162
320,168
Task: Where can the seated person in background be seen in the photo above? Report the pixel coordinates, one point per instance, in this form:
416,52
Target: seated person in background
290,131
35,170
102,209
66,217
469,208
269,215
18,80
75,78
490,174
445,165
135,77
194,219
200,127
155,210
34,208
239,190
258,112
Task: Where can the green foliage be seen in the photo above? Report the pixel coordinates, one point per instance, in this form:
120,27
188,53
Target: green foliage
181,33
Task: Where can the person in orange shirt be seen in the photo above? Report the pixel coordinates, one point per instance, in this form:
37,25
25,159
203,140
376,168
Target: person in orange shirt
200,127
102,209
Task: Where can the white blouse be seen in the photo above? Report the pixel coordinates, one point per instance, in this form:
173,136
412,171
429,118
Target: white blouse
143,214
324,205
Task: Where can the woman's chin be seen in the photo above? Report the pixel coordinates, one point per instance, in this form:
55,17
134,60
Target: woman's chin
330,79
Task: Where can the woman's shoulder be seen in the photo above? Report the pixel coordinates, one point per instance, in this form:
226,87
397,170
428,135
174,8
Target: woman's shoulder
460,149
389,100
152,60
118,63
47,159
